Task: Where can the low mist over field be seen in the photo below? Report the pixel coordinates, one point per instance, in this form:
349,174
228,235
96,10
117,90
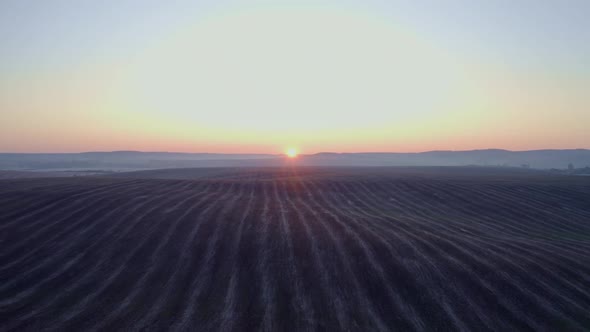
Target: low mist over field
129,160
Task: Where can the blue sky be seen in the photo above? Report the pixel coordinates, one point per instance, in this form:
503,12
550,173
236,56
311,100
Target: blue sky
553,32
512,51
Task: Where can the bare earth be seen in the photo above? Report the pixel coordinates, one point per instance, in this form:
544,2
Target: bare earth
296,249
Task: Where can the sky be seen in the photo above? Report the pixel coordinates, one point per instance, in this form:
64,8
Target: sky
264,76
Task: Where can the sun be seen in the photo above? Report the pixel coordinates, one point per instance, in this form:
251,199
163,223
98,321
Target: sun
291,152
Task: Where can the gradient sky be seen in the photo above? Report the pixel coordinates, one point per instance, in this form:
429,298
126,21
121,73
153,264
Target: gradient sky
261,76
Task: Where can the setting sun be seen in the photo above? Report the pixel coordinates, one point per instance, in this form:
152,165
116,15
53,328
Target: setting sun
291,152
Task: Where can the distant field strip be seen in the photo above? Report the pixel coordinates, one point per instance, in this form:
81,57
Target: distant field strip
290,249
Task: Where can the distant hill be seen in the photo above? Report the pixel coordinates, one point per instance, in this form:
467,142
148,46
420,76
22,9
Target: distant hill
122,160
136,160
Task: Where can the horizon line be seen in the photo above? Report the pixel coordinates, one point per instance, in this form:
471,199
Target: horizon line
301,154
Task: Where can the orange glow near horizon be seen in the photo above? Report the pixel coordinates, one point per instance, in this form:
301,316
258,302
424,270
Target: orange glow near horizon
253,79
